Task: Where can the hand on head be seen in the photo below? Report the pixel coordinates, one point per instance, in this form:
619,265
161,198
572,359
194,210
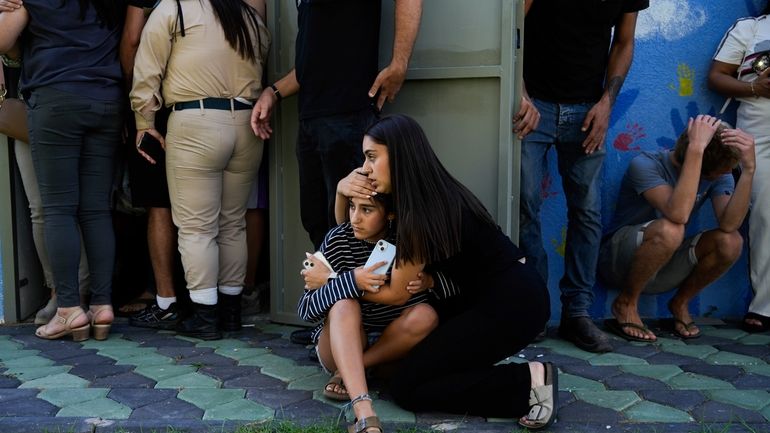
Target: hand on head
701,130
356,184
744,142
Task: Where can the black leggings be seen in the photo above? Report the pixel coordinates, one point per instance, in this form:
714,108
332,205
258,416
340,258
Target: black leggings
453,369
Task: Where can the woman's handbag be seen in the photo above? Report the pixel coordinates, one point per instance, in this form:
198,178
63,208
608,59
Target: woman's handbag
13,114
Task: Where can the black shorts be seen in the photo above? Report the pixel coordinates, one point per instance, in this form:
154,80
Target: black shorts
149,187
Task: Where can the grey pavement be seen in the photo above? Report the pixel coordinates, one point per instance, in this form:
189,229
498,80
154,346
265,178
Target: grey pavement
144,380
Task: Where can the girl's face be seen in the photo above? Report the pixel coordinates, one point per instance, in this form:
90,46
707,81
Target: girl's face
376,165
367,218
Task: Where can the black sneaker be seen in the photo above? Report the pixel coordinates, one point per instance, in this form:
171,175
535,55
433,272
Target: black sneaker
155,317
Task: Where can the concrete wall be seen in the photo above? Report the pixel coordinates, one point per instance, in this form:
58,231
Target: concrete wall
667,84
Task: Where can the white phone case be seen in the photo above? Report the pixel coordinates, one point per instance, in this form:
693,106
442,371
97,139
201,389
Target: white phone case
384,251
318,255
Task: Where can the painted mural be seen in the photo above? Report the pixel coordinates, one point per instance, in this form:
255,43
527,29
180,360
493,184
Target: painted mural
666,86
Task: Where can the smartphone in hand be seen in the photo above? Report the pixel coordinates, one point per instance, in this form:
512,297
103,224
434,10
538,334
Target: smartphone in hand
383,251
307,264
152,147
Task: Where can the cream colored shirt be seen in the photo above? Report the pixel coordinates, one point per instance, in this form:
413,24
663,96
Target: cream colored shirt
202,64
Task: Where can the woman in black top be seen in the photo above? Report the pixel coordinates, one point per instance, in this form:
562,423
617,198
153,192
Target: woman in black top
504,303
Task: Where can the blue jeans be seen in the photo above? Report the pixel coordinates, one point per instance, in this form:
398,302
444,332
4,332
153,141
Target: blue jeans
74,143
328,149
560,126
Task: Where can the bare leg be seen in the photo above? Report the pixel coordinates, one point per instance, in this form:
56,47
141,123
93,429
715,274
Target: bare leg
716,252
161,240
414,324
661,239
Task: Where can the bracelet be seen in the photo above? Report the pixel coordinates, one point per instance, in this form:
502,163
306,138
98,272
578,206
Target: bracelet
278,93
11,63
753,92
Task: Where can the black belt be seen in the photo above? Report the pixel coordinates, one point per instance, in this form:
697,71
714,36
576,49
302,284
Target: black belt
213,104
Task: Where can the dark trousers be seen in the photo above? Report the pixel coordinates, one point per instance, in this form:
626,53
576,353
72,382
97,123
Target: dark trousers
74,142
328,149
453,369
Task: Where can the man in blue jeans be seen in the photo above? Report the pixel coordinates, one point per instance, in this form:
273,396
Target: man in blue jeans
575,67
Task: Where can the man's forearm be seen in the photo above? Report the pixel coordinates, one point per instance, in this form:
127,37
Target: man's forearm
621,56
408,14
288,85
738,206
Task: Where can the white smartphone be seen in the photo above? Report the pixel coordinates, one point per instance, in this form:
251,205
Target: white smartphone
383,251
318,255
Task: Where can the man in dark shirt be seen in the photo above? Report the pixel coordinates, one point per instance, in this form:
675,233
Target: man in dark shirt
340,93
574,69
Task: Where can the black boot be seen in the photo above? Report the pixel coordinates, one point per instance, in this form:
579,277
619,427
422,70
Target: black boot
229,312
202,324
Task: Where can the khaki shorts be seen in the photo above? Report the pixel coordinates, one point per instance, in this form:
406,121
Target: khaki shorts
617,253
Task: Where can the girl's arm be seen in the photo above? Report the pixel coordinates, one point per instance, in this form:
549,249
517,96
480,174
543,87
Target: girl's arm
395,292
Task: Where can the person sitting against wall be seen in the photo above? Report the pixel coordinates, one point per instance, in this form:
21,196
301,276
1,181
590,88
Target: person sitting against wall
648,250
741,70
366,321
71,82
505,303
208,57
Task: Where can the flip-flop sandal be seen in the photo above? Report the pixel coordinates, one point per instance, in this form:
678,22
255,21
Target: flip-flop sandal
331,387
134,306
755,328
686,326
543,401
618,328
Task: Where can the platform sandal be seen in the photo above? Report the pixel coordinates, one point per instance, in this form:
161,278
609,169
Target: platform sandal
78,334
101,330
364,425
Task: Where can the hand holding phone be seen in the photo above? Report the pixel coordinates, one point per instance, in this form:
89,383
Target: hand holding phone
383,251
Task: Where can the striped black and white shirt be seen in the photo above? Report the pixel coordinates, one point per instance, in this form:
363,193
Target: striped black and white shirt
345,253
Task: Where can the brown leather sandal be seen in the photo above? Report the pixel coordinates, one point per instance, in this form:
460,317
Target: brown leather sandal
364,425
333,385
78,334
101,330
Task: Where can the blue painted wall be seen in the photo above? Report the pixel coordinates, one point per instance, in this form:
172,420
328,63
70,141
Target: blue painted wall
667,84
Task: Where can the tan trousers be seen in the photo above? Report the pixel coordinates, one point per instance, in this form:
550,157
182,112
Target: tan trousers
212,158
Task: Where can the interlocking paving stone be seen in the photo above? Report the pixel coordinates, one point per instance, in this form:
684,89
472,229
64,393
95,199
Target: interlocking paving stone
309,383
26,374
307,411
728,358
63,397
15,394
189,380
659,372
722,372
255,380
211,397
25,406
67,354
697,381
752,381
61,380
91,372
390,412
647,411
282,330
28,361
667,358
565,348
561,360
9,382
766,413
118,353
755,350
684,400
112,342
695,351
288,372
239,353
276,397
726,333
714,411
227,372
149,359
747,399
615,400
88,359
762,339
171,409
162,372
569,382
665,342
223,343
642,351
758,369
582,412
183,352
124,380
264,360
7,347
630,381
616,359
207,359
294,353
136,398
239,410
15,354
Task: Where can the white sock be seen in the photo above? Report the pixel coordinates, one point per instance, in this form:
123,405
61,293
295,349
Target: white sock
230,290
164,303
204,296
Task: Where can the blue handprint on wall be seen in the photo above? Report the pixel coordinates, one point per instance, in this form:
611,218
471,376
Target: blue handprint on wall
679,123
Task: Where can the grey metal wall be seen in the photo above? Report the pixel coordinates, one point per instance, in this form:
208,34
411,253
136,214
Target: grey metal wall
460,87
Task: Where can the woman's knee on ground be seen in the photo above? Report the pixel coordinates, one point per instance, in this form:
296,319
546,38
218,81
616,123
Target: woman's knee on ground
664,234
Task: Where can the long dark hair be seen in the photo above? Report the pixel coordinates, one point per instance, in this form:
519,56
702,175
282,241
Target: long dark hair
428,200
108,11
238,19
